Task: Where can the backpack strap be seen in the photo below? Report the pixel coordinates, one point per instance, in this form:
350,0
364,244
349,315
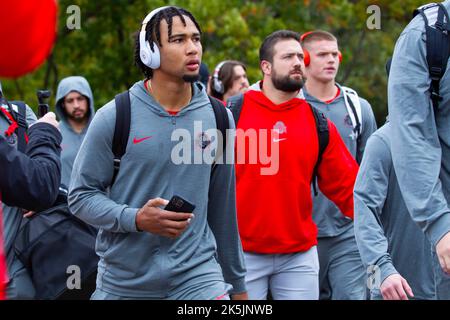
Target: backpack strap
323,134
121,130
438,45
17,117
235,103
353,105
220,113
22,138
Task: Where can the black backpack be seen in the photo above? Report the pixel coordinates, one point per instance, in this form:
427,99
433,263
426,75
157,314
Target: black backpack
49,243
438,45
236,102
122,127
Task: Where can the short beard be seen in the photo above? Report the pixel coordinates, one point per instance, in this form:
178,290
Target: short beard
79,119
287,84
191,78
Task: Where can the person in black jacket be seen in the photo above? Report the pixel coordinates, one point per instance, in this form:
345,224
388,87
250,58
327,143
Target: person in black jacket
31,180
28,181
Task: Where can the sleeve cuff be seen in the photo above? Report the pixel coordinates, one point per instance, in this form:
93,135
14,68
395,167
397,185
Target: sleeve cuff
238,286
45,129
439,228
386,270
128,220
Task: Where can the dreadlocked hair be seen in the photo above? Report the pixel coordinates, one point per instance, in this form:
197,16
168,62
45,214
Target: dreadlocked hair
153,33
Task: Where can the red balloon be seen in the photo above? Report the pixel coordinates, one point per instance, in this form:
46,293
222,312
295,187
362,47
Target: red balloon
27,34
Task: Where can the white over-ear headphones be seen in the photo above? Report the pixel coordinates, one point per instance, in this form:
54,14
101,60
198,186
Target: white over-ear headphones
151,58
217,83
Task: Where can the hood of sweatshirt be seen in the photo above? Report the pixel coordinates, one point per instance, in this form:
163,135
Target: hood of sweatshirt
257,97
257,87
198,100
67,85
337,99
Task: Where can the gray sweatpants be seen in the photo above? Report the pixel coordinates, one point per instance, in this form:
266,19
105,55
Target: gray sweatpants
288,276
342,274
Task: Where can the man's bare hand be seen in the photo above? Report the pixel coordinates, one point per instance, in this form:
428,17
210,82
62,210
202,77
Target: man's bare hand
395,287
28,214
239,296
49,118
153,219
443,252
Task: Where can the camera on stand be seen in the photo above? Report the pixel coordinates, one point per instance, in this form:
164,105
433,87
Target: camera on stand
42,96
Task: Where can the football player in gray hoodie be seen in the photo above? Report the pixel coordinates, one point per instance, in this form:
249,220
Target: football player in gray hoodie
75,109
391,244
342,275
145,251
421,140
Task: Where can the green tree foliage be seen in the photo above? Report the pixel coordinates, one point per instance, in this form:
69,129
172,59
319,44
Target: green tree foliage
102,50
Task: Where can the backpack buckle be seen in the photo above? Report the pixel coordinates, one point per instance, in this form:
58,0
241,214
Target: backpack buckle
22,122
435,97
439,25
116,163
435,73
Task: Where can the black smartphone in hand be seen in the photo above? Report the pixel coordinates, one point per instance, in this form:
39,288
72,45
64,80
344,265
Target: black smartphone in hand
178,204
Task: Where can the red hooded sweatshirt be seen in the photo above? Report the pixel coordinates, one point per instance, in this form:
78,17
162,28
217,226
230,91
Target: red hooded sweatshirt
3,273
275,210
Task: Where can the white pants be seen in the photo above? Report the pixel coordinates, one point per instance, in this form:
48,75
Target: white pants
288,276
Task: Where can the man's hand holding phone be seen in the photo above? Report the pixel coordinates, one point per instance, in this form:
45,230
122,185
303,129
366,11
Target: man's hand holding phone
153,219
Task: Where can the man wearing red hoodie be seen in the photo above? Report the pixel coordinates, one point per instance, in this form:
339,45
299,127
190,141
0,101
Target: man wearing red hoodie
274,207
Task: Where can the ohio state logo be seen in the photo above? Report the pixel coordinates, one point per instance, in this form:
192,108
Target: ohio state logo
203,140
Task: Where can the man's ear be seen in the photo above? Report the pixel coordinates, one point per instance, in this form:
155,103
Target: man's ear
266,67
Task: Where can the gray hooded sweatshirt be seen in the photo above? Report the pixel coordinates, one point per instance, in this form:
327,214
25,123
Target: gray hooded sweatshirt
386,235
420,138
330,221
141,264
71,140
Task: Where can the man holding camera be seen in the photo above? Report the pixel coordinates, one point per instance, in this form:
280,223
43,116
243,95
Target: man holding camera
28,180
